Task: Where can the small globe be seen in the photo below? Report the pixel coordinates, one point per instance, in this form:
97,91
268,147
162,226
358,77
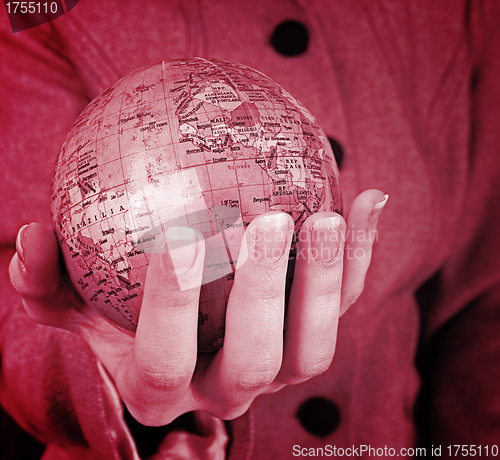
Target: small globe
195,142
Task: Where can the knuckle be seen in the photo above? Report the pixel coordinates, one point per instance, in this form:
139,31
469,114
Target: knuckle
265,284
166,295
149,416
230,413
235,413
174,378
305,372
141,416
253,381
327,282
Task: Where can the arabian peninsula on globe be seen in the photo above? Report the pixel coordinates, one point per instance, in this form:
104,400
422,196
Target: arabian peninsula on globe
202,143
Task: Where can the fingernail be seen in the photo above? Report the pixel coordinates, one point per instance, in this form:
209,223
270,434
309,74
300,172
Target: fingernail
271,237
20,241
325,238
375,213
181,243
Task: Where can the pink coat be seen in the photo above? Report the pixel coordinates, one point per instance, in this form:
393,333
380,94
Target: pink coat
410,92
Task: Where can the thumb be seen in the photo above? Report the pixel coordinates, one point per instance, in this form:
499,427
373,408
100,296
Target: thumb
36,273
34,270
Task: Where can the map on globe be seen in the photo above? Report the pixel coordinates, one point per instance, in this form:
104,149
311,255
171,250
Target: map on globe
195,142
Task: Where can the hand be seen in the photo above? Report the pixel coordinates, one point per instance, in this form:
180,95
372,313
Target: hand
159,374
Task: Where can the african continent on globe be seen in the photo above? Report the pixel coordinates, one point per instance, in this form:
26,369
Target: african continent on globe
195,142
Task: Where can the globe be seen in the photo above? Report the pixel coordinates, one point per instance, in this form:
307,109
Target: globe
198,143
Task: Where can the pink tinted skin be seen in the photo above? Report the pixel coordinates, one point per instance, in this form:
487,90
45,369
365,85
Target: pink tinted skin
160,375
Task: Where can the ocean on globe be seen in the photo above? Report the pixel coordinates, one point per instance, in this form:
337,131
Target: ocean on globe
196,142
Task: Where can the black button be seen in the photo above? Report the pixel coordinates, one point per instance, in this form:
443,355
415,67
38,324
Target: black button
319,416
290,38
337,151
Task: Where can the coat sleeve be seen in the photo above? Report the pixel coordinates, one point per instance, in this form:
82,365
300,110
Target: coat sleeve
461,352
50,382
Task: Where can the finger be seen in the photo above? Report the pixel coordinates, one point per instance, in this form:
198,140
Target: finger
361,235
162,364
253,344
313,309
